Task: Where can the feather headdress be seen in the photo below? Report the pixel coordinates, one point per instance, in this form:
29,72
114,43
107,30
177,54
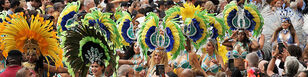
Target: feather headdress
68,16
217,27
248,18
167,35
126,28
104,24
195,24
86,45
19,31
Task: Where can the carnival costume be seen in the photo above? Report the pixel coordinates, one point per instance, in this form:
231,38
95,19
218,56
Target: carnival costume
126,28
166,34
247,18
273,20
34,37
198,25
88,43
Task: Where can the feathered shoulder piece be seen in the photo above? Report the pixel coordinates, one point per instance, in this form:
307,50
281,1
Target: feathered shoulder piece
68,16
21,35
2,16
248,18
195,24
167,35
85,46
104,24
126,28
173,13
216,26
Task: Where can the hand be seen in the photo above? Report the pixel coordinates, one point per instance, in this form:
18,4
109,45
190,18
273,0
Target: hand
234,34
248,34
140,61
285,54
275,52
214,61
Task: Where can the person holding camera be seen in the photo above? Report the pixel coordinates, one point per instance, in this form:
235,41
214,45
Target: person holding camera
291,64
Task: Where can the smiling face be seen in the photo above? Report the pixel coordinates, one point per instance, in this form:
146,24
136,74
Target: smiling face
209,47
285,24
6,4
241,35
96,69
157,57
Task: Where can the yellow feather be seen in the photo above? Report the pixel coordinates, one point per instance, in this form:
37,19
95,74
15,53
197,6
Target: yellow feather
189,10
19,31
202,26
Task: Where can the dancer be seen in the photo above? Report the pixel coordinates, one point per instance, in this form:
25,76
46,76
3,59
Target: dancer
36,40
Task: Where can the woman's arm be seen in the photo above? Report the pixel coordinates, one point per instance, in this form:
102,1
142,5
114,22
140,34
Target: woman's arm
227,42
221,62
54,69
261,41
271,65
296,41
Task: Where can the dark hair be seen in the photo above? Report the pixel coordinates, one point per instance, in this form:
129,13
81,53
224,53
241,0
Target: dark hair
295,51
16,55
236,73
198,3
109,7
2,3
14,3
129,51
19,9
291,28
172,74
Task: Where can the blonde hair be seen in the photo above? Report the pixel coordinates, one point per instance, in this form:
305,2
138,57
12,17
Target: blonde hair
164,59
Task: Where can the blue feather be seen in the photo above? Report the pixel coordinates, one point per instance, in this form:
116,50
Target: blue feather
92,22
1,20
250,17
198,35
177,17
148,37
169,33
65,18
232,15
125,27
103,27
215,32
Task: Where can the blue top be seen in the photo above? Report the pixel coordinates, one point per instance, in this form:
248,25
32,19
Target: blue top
289,39
214,68
184,63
